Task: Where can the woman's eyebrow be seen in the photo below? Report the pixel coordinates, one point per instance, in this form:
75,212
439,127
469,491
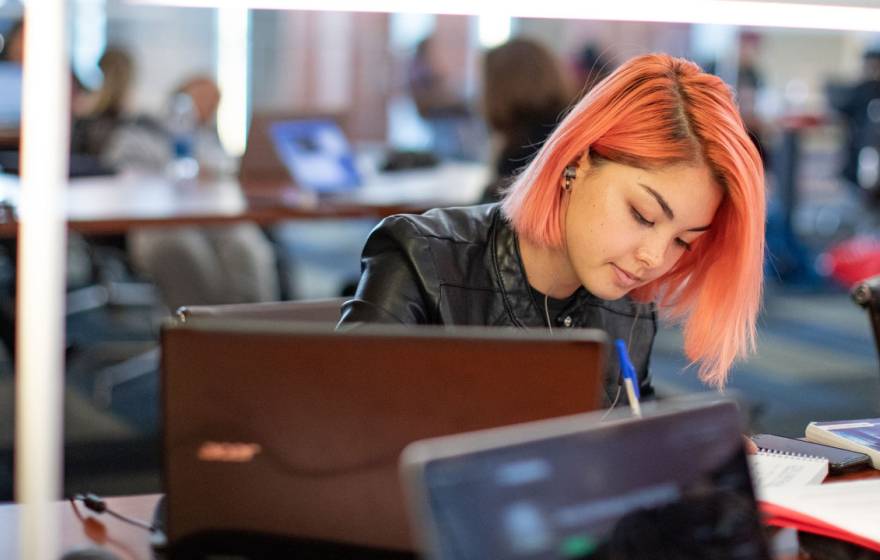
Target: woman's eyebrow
666,209
660,200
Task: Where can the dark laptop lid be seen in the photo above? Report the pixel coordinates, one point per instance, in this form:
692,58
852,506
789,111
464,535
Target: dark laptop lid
674,484
293,430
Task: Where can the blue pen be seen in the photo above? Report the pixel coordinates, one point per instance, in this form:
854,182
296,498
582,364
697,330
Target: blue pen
630,380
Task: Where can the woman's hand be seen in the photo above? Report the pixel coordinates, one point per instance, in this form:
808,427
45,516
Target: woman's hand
750,446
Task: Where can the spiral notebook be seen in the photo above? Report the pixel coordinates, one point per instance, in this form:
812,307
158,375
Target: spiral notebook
774,469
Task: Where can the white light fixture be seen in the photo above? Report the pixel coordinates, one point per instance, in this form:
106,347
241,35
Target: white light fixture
233,64
493,30
726,12
41,262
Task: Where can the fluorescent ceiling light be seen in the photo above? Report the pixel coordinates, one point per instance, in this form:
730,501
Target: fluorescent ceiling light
233,40
727,12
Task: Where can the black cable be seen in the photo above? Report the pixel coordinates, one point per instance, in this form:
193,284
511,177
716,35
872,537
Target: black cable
98,505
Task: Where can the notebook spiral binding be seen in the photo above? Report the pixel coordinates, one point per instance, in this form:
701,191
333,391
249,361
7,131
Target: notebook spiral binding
792,454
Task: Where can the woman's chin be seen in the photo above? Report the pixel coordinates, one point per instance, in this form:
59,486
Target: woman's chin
606,291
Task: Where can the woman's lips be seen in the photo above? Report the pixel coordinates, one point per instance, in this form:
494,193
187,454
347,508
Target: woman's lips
623,278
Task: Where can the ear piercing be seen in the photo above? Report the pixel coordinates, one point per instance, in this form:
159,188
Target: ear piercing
569,176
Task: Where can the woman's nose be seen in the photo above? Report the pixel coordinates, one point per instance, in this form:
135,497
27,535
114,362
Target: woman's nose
650,254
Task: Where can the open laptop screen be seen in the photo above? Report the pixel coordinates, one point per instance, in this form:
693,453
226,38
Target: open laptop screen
671,486
317,154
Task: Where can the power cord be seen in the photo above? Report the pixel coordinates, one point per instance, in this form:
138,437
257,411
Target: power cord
97,505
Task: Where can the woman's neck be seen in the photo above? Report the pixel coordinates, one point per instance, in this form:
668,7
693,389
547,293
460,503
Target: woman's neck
548,270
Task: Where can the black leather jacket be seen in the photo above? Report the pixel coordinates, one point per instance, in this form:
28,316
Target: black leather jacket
462,266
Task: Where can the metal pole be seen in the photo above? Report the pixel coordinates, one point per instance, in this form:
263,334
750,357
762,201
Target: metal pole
41,277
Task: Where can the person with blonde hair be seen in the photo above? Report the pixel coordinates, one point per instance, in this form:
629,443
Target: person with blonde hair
648,195
100,115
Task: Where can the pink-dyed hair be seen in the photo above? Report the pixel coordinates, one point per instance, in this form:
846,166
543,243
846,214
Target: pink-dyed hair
654,111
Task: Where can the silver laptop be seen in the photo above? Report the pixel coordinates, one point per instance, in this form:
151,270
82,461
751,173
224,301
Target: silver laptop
674,484
317,155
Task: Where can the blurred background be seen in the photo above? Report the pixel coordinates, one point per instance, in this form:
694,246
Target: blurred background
188,96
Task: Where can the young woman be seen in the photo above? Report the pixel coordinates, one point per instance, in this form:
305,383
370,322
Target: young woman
648,194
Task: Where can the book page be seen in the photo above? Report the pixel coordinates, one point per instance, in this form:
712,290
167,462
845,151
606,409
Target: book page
771,470
851,506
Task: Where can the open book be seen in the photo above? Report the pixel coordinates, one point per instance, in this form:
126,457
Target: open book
842,510
856,435
782,470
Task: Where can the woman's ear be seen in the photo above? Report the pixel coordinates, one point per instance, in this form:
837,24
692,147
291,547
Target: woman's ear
585,162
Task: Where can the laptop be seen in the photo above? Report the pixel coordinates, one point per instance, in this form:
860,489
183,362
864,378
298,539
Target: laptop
674,484
316,154
293,430
265,163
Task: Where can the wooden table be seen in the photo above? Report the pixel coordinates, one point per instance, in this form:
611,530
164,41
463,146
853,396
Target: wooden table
80,528
115,204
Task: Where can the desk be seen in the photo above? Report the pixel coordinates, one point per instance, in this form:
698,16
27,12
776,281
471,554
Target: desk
113,205
128,541
132,542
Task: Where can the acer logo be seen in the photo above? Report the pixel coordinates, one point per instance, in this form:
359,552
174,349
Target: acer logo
228,452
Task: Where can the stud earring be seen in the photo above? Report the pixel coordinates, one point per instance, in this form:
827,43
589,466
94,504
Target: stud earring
569,176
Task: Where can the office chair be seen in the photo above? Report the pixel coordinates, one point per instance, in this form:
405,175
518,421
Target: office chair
867,294
326,311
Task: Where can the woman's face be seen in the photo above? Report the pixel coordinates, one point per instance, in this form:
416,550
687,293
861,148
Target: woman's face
626,226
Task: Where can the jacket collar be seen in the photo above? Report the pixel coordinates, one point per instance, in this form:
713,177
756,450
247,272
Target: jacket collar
511,278
511,274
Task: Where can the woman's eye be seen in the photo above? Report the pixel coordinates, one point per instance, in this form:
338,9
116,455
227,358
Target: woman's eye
683,244
639,218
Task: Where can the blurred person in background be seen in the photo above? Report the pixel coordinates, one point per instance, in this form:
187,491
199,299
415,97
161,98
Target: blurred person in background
525,94
98,116
859,105
441,104
199,265
749,83
590,67
150,145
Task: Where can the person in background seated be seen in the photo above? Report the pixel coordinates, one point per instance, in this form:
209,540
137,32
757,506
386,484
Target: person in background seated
441,103
197,265
104,111
648,195
859,105
525,94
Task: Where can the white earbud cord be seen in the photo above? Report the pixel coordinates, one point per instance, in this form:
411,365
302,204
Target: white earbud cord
628,346
619,371
628,342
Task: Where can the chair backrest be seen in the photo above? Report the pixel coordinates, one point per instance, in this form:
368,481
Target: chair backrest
867,294
312,311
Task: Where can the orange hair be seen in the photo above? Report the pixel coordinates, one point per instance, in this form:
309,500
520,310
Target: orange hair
655,111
